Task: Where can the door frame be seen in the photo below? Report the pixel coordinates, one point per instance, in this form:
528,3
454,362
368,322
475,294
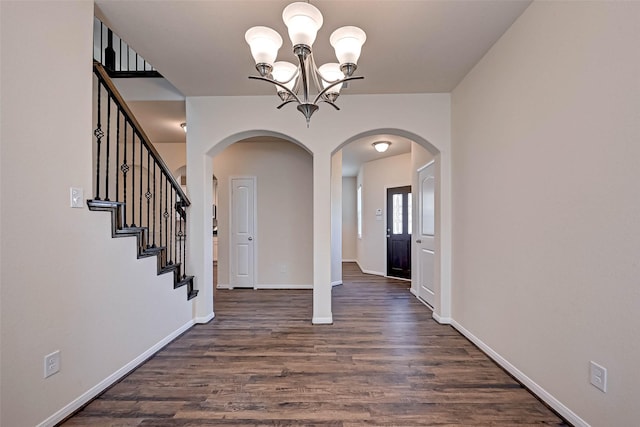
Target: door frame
254,179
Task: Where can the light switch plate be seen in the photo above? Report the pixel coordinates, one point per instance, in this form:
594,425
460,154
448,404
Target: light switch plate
76,195
598,376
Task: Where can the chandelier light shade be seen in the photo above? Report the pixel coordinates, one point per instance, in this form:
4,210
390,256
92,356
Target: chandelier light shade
381,146
305,83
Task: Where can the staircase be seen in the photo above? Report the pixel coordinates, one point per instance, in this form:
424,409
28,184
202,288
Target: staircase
133,183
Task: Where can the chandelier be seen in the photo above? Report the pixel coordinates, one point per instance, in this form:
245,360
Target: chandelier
293,82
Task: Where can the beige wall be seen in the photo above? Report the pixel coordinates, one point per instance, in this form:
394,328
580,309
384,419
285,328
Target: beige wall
65,283
174,155
349,219
546,132
284,238
376,177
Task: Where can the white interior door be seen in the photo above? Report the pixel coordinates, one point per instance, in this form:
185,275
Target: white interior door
425,237
242,221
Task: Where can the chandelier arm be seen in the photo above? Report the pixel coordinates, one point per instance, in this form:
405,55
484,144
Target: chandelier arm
315,73
275,82
285,103
315,101
331,103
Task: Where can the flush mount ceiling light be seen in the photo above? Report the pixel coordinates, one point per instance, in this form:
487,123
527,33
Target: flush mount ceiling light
293,82
184,127
381,146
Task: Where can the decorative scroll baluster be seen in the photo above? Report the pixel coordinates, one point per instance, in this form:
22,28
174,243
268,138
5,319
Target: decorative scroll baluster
106,168
154,205
133,178
98,134
173,215
148,195
117,162
124,168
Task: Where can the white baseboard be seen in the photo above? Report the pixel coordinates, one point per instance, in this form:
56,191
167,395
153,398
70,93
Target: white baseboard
322,320
349,260
440,319
111,379
375,273
414,292
544,395
205,319
289,286
397,278
336,283
223,286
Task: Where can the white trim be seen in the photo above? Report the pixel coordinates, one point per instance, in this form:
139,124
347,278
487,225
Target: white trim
359,266
376,273
288,286
397,278
536,389
441,320
206,319
350,260
322,320
336,283
413,291
223,286
113,378
425,166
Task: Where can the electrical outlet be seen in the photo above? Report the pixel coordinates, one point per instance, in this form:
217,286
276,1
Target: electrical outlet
598,376
76,197
51,363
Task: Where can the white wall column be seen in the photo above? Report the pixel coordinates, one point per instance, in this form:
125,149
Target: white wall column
336,219
321,229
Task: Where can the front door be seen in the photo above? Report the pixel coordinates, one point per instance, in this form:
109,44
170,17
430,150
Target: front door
399,232
425,236
242,221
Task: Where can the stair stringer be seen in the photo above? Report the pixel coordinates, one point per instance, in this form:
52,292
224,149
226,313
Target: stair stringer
143,250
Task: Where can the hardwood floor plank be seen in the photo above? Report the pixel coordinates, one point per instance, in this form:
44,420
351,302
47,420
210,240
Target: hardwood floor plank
260,362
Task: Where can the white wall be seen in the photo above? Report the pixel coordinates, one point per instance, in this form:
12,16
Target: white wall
376,177
546,135
349,219
65,283
284,237
216,122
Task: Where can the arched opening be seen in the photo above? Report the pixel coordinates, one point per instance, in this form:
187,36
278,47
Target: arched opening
262,212
366,220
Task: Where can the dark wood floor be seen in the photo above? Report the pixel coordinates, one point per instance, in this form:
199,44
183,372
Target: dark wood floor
384,361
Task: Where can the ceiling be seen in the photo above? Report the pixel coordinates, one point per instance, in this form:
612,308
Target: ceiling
413,46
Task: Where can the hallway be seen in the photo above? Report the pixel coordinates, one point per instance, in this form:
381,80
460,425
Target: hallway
385,361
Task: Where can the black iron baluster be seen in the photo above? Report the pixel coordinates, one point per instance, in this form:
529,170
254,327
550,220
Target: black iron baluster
148,195
101,44
172,216
99,134
118,155
184,244
141,161
136,61
160,209
154,203
166,214
120,55
124,168
106,168
133,176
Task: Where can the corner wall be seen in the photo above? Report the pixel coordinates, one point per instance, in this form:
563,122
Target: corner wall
546,203
65,283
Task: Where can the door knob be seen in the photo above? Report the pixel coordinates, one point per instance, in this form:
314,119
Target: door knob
249,238
418,241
